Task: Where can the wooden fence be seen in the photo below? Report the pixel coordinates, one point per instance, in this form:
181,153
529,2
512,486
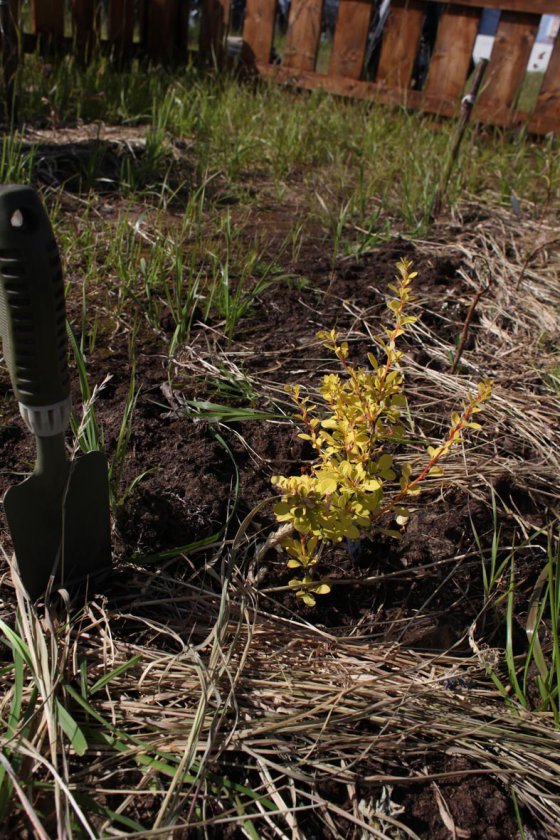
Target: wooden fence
160,30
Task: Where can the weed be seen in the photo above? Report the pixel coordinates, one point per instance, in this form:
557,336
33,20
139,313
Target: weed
232,294
336,221
88,433
545,607
16,161
534,667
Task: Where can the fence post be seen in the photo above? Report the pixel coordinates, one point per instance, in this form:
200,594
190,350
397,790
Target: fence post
350,39
304,34
213,30
507,66
163,36
547,110
400,44
258,31
121,28
47,21
86,20
9,30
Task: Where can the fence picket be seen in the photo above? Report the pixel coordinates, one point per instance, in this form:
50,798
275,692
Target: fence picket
10,46
162,34
48,18
400,43
121,26
86,16
508,64
535,7
304,34
213,28
547,110
350,38
258,31
452,55
183,24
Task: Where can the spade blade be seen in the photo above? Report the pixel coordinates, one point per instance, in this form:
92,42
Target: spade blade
34,513
87,527
61,528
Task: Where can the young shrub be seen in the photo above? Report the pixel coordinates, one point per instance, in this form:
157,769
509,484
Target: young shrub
354,433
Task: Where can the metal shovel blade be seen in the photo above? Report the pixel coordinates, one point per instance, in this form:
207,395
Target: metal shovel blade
86,526
34,513
60,525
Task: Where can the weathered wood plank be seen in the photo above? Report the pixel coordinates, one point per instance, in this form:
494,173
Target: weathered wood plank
400,43
183,38
452,55
258,31
10,45
121,26
340,86
350,38
86,19
213,28
47,18
508,64
537,7
548,102
392,96
161,35
303,36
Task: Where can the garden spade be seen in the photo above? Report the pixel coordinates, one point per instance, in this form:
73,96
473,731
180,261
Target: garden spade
59,516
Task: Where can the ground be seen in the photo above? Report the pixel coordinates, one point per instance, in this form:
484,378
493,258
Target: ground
211,426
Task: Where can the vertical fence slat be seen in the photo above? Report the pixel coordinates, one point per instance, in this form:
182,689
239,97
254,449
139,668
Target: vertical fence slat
452,55
258,31
86,18
548,102
183,24
162,33
213,28
350,38
47,18
400,43
508,64
10,45
121,26
304,34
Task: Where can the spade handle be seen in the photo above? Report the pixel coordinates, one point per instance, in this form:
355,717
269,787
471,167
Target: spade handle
32,311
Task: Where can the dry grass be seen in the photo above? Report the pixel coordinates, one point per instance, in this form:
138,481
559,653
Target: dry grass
223,686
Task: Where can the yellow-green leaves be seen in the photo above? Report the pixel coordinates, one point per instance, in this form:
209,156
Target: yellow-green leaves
360,418
306,590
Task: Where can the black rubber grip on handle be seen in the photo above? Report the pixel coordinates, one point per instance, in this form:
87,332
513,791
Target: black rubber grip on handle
32,308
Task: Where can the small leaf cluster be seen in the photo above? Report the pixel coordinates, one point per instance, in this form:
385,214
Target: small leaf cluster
354,433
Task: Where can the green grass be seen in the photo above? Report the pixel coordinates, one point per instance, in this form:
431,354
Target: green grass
531,676
365,155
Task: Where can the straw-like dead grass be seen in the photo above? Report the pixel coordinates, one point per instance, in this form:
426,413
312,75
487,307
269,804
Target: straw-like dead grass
224,689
